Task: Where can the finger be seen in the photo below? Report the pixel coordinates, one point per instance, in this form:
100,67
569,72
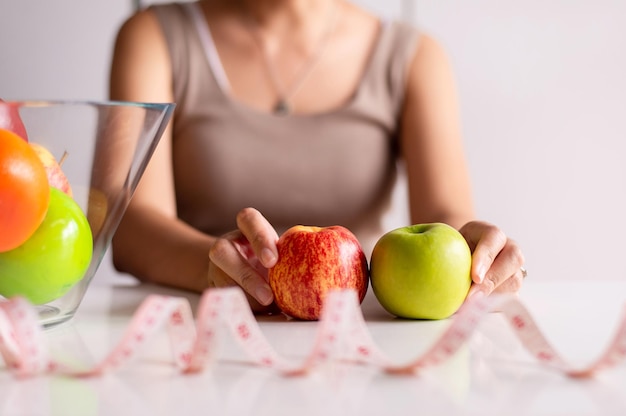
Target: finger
227,258
486,242
220,279
511,285
261,235
505,269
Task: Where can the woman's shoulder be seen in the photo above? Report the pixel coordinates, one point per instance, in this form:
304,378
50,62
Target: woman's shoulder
155,28
152,18
429,58
140,53
142,22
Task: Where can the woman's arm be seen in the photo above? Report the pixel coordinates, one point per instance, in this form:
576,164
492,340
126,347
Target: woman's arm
430,141
150,242
439,185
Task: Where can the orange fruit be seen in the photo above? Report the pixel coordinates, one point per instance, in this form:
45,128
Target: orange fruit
24,191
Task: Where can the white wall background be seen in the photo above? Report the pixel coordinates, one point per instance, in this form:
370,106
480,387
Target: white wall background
543,103
543,97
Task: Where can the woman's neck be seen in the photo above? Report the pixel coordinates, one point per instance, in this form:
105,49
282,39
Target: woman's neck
270,14
295,24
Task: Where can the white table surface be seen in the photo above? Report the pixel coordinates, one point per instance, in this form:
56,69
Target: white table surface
491,375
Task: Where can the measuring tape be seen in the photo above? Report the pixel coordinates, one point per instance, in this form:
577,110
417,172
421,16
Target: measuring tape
341,334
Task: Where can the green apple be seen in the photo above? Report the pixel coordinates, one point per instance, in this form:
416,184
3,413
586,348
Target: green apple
53,259
421,271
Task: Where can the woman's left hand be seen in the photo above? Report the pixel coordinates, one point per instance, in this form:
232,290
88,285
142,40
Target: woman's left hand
497,261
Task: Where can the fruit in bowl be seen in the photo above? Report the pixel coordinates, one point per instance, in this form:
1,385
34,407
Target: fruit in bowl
311,262
53,259
48,254
421,271
10,120
81,199
54,172
24,191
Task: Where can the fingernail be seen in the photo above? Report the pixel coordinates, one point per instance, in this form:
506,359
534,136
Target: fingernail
268,257
264,295
481,273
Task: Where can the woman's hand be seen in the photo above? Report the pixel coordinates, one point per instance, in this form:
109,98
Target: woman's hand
243,256
497,261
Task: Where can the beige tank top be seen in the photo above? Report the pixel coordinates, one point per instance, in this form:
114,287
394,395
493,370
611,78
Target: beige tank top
336,167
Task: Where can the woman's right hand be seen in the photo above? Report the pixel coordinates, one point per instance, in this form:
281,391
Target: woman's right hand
242,257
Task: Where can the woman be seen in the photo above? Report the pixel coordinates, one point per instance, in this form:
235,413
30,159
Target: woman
300,109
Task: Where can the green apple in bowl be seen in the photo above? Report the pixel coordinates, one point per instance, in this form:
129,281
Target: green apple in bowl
421,271
54,258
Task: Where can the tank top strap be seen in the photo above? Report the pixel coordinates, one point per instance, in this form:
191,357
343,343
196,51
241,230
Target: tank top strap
384,81
194,12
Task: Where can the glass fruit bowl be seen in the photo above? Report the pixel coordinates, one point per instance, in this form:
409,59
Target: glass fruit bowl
94,154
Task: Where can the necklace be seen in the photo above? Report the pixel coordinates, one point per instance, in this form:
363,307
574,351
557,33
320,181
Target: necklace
286,92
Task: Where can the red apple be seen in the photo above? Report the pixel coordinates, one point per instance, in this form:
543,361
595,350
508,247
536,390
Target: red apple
313,261
56,176
10,120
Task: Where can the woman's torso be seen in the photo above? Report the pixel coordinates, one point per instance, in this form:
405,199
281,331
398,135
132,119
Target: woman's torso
326,168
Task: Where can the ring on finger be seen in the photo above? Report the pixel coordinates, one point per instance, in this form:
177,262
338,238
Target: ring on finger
524,271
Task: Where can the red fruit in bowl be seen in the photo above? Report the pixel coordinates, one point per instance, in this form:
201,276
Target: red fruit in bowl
56,176
311,262
10,119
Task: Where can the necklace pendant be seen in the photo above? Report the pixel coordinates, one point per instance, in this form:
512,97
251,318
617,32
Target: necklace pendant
282,108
